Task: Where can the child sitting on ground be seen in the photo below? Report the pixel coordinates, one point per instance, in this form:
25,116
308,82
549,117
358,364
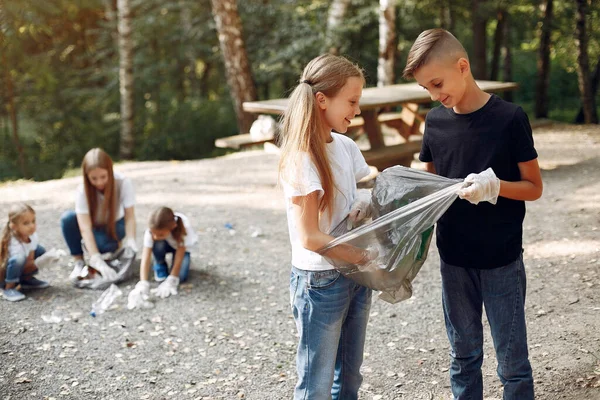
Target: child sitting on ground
19,248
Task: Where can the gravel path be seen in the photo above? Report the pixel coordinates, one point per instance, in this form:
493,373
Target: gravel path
230,334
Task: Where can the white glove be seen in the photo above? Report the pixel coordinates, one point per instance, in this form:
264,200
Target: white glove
167,288
102,267
138,297
361,207
484,186
130,242
49,257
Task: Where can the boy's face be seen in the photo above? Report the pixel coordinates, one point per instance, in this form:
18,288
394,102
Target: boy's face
444,80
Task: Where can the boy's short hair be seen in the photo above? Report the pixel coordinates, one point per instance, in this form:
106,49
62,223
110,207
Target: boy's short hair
431,43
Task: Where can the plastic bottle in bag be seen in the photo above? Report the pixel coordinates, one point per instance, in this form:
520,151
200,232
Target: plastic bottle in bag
105,300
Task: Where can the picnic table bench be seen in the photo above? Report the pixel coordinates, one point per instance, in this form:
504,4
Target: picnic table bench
409,96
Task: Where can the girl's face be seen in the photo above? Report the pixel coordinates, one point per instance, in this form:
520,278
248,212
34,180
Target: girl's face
24,226
340,109
160,234
98,178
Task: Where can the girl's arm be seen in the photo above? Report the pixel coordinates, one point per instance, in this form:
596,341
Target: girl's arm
85,227
29,262
130,223
306,213
145,263
177,259
530,186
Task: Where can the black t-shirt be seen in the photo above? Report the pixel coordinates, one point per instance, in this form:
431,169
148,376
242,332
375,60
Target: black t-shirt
498,135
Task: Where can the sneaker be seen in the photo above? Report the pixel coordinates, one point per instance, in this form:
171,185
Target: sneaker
77,270
13,295
34,283
160,272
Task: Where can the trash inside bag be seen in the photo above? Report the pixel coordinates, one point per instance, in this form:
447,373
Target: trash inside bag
121,261
406,204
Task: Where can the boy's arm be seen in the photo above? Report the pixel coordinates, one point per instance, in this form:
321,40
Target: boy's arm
530,186
429,167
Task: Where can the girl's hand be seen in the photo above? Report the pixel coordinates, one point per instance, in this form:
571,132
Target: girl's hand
130,242
167,288
138,297
102,267
361,207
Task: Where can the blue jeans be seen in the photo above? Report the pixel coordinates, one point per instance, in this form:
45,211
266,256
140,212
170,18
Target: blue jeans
331,312
72,235
160,249
16,265
502,292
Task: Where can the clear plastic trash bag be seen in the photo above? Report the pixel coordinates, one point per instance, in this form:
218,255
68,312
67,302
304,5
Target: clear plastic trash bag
121,261
406,204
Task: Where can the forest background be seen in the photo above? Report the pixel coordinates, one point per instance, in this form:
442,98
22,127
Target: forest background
161,80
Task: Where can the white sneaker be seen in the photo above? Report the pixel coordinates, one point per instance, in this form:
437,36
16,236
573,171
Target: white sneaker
77,270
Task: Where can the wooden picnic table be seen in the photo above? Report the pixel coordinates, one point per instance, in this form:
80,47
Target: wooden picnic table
408,95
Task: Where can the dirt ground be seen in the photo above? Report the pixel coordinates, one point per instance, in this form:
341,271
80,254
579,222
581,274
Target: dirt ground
229,334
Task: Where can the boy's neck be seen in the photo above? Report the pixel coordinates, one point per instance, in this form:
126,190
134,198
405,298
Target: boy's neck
473,99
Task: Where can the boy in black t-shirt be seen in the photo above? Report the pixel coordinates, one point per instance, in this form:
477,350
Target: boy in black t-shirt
487,141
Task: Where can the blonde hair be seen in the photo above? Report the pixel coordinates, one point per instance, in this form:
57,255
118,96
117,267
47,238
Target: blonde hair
98,158
302,125
432,43
162,218
16,212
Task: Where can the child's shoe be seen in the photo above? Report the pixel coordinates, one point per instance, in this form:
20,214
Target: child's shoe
160,272
34,283
77,270
13,295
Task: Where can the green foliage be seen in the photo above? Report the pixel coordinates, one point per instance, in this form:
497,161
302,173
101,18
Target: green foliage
61,58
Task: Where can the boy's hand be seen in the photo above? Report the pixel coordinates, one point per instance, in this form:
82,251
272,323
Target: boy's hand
361,208
484,186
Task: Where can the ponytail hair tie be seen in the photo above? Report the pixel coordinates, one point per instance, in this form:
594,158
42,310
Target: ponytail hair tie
307,82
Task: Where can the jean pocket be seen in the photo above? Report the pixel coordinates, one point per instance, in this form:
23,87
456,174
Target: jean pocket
322,279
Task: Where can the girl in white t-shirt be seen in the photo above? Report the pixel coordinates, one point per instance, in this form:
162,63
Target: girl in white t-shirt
168,233
103,216
19,248
319,170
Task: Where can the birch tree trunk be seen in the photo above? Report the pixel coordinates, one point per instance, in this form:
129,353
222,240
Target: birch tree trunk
237,66
583,65
127,143
387,43
335,18
543,62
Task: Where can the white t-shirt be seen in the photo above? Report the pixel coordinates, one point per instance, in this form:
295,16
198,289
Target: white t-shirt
190,238
125,198
17,248
348,166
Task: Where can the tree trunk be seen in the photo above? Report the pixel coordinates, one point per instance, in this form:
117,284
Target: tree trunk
127,144
583,65
335,18
507,73
387,43
12,114
479,22
595,81
237,66
189,61
498,41
543,62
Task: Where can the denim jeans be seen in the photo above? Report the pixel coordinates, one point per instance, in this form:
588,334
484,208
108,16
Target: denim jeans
72,235
502,292
160,249
331,314
15,266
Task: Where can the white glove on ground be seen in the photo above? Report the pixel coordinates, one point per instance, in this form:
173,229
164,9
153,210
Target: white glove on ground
167,288
100,265
130,242
361,207
138,297
484,186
